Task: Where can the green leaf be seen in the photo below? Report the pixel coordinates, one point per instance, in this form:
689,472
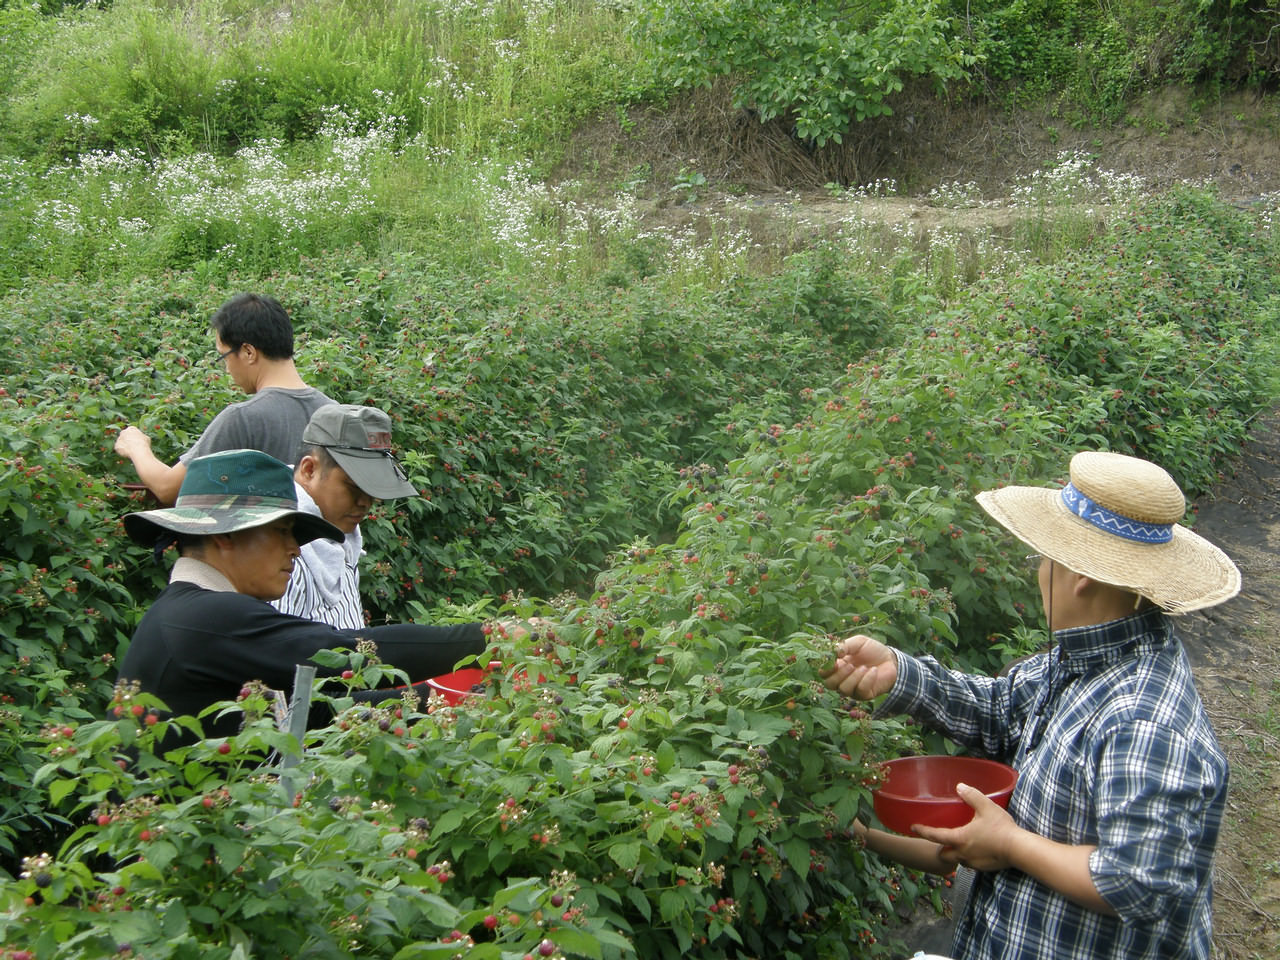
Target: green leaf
614,811
449,821
639,901
796,851
161,853
579,942
174,919
59,789
517,895
672,906
811,763
666,756
439,910
626,854
254,906
230,852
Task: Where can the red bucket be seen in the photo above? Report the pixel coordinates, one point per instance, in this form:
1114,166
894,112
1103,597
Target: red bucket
923,790
457,686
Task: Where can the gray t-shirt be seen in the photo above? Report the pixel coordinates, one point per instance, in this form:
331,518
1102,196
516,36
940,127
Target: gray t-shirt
271,420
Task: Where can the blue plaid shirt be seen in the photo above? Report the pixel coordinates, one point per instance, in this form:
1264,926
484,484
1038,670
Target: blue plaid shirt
1113,748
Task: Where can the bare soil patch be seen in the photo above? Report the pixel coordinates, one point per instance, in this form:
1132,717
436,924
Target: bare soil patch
1237,666
1167,137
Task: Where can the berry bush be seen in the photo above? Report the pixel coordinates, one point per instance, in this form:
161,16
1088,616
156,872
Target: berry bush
660,770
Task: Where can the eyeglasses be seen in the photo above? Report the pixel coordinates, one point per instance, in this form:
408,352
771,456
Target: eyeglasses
1032,561
381,451
222,356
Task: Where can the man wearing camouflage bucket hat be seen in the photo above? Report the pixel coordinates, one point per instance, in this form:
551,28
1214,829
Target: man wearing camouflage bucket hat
1106,848
238,529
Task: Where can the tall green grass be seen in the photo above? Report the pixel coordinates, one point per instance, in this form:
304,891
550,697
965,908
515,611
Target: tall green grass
217,74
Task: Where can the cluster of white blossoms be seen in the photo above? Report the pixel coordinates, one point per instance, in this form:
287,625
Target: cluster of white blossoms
1269,203
446,83
956,195
1075,179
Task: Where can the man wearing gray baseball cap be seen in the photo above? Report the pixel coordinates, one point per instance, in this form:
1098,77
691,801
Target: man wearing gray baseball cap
345,463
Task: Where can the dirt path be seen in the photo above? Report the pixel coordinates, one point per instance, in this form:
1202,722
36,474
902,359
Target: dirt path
1237,665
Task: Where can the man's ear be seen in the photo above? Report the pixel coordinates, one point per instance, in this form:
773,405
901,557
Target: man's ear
307,471
249,353
1080,584
221,542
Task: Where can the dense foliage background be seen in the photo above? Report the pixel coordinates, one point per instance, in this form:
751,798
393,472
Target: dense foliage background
701,457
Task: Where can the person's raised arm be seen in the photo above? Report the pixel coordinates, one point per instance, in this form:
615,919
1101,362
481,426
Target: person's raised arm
863,669
161,479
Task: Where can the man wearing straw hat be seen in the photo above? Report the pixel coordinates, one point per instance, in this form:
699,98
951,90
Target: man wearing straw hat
1107,845
238,529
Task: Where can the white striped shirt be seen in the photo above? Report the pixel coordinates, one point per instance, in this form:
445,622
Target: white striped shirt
325,584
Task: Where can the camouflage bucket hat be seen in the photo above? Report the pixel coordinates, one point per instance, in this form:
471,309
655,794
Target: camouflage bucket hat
230,491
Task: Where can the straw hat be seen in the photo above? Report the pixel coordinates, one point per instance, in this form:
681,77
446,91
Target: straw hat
1117,522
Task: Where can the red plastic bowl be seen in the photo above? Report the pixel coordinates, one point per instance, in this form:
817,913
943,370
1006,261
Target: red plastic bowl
923,790
456,687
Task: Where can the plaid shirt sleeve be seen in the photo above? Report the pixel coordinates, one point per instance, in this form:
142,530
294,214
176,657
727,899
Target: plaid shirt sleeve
1156,794
985,714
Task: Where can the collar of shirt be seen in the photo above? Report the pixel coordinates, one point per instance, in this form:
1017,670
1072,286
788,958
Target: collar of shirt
334,555
1081,649
191,570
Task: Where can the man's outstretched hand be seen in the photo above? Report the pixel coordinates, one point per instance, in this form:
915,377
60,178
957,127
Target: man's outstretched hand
864,668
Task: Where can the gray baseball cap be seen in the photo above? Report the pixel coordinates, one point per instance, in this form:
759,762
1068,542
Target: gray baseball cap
359,439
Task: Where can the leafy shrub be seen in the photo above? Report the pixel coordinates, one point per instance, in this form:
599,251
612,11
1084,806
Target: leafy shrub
609,815
1172,330
543,430
1093,58
690,664
824,65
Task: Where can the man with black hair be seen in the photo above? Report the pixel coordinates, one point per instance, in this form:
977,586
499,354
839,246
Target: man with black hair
253,336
